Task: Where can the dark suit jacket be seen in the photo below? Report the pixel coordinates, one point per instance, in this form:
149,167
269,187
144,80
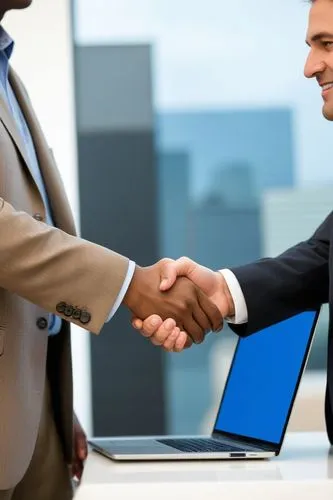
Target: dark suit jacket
299,279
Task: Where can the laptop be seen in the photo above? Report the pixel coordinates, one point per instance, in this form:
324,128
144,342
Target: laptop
256,404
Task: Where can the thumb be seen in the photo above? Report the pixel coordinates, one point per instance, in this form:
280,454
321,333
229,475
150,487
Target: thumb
170,270
137,323
168,274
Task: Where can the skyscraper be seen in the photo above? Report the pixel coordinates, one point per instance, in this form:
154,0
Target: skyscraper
173,175
209,210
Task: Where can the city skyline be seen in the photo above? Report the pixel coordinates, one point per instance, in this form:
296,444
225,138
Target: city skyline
225,55
261,138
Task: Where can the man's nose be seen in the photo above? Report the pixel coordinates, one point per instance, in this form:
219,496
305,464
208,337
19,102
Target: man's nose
313,66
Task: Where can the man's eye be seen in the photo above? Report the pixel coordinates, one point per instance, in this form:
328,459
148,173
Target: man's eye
328,45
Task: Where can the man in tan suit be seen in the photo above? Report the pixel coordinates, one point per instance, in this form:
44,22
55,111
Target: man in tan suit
48,278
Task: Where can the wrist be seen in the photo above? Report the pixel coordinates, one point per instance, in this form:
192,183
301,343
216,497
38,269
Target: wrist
132,296
225,293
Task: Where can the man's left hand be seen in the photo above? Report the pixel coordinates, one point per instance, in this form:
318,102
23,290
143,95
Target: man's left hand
80,451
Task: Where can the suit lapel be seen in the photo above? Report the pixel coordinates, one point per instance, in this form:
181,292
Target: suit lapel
60,207
8,121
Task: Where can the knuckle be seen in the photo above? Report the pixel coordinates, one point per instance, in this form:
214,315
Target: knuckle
168,346
165,260
183,306
179,311
146,333
189,302
171,339
161,335
155,341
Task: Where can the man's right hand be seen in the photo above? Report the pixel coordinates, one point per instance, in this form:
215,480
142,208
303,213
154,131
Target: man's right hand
211,283
183,301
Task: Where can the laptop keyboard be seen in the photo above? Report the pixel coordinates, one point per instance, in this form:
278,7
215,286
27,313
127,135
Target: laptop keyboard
198,445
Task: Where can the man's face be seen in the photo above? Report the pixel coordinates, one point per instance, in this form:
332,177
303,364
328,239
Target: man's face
319,63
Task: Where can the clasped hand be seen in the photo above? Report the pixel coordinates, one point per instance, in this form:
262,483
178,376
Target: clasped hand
175,303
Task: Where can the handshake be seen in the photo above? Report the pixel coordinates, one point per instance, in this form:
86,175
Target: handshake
175,303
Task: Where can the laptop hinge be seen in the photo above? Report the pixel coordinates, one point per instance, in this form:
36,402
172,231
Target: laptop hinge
244,444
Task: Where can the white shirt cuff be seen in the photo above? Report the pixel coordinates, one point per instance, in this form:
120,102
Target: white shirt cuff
123,290
241,314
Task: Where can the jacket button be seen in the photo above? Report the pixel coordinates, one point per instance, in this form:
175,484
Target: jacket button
85,317
38,217
68,310
76,313
42,323
60,308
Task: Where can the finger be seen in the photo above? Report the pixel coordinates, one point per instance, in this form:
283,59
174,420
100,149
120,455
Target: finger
180,342
201,318
77,469
137,323
81,447
211,311
150,325
170,341
193,329
189,342
159,337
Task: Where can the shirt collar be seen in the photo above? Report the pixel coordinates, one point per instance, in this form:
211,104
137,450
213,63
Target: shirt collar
6,42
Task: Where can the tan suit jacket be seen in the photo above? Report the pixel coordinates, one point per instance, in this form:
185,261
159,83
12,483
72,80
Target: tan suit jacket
42,269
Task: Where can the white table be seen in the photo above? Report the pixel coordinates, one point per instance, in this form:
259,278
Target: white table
304,470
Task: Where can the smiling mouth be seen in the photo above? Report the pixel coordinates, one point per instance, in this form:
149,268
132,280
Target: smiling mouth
327,86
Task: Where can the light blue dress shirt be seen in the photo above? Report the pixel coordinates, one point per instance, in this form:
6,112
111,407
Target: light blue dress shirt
6,49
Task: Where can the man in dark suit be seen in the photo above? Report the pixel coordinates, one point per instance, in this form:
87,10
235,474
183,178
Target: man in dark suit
257,295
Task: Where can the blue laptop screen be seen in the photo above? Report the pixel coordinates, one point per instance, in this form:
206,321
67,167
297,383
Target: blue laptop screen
263,379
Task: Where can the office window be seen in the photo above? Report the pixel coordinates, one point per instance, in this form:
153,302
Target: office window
243,154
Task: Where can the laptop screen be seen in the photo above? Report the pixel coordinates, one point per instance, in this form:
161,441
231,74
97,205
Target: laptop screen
263,379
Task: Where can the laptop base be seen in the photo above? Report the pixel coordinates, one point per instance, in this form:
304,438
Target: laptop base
145,449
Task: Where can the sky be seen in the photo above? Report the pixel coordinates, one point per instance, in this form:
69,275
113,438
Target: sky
223,54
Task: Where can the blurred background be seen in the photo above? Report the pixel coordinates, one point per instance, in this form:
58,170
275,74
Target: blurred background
180,128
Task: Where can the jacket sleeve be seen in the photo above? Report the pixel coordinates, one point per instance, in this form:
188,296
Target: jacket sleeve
50,268
295,281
